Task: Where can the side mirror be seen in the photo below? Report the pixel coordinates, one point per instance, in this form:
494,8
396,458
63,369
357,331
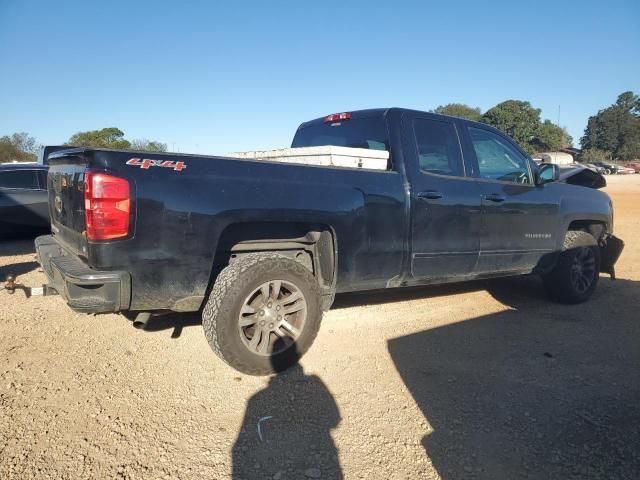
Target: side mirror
547,172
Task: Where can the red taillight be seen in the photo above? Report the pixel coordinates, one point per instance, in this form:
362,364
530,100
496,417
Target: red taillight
107,205
337,117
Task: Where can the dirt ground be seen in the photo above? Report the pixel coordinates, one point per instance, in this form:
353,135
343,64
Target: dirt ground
483,381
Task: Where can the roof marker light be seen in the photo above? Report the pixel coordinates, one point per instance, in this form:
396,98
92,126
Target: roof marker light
337,117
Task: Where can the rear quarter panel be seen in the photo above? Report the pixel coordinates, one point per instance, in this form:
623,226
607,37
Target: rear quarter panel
181,215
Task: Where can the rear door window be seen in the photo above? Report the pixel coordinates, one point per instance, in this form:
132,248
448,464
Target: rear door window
438,147
23,179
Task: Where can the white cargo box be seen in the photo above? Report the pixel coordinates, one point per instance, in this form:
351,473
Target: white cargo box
329,155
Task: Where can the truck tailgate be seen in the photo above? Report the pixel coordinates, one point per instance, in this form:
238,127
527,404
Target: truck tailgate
65,184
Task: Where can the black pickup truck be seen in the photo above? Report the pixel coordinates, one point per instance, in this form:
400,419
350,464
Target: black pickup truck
262,247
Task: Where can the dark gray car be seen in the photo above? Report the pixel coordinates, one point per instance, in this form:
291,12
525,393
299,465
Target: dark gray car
23,199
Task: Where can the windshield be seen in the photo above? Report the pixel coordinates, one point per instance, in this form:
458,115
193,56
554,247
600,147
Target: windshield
370,133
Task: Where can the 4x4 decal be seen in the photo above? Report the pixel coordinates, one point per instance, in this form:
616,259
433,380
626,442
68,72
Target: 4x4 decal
147,163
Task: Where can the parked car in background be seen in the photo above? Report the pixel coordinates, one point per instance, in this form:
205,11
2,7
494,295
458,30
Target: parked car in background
634,166
608,168
594,167
618,169
24,206
46,150
578,174
624,170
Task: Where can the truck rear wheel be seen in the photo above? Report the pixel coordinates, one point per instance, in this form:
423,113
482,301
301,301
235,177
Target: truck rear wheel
263,313
575,276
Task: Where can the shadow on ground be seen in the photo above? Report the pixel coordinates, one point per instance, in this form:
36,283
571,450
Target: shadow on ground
404,294
537,391
17,269
172,321
177,321
286,432
17,247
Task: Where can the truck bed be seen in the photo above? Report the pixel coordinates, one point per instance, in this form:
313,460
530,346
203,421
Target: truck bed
327,155
188,209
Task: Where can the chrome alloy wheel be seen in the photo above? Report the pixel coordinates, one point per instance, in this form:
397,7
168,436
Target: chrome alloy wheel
583,269
272,317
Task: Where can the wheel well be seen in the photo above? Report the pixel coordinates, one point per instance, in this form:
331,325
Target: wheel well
596,229
310,244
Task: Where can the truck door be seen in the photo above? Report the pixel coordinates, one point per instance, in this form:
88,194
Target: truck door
519,219
445,203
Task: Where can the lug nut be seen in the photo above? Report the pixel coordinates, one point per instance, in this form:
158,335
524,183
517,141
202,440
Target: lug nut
261,312
269,304
278,307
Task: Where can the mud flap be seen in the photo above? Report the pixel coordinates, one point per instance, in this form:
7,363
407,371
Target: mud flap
610,250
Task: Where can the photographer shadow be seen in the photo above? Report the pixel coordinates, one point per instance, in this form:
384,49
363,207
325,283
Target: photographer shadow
286,432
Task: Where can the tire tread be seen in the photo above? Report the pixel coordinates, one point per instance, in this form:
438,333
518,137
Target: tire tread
231,281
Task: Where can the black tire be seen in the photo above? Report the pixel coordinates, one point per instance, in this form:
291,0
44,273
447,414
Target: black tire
575,276
222,313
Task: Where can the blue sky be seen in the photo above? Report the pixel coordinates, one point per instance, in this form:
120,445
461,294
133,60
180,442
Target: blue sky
212,77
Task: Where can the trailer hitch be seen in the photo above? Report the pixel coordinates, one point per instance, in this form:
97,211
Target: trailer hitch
11,286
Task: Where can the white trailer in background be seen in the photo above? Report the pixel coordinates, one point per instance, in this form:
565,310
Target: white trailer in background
559,158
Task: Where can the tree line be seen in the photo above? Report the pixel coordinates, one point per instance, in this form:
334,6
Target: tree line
614,133
22,147
518,119
611,134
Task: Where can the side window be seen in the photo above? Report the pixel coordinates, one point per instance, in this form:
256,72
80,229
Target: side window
497,159
438,147
25,179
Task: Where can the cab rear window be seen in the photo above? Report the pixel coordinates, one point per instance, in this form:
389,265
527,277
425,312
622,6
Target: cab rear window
369,133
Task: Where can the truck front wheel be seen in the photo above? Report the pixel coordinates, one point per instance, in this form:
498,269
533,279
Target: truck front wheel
263,313
575,276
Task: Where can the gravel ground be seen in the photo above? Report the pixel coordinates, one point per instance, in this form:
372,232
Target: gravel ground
484,380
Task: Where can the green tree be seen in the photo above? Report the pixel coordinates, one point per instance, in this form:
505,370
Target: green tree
518,119
106,138
551,138
460,110
18,147
630,102
595,155
616,129
148,145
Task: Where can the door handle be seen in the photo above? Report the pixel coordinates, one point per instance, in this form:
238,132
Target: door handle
495,197
429,195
